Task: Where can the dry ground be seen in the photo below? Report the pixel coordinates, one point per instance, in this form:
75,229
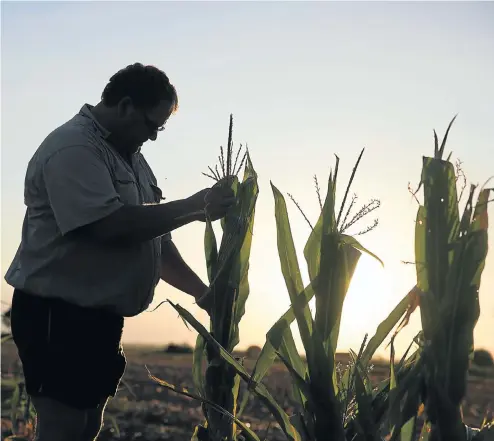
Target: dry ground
145,411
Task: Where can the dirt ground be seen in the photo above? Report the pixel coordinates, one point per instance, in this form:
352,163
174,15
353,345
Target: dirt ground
143,410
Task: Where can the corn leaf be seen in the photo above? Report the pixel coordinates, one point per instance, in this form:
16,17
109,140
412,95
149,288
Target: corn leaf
303,393
278,413
322,250
443,144
298,421
420,250
114,423
6,338
405,392
211,251
198,358
280,341
383,330
300,382
289,352
248,195
466,218
407,432
480,225
365,417
350,240
327,413
248,433
276,336
243,403
441,207
290,267
408,410
480,216
15,400
425,432
329,305
325,226
319,364
235,392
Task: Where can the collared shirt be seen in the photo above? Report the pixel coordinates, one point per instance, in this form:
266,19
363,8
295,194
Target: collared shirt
75,178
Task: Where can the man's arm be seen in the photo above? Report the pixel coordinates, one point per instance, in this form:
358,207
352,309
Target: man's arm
176,272
83,198
139,223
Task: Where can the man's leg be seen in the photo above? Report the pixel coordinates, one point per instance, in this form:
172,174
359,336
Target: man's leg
94,422
72,362
59,422
56,421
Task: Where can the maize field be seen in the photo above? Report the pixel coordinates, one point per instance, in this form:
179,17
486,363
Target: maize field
433,393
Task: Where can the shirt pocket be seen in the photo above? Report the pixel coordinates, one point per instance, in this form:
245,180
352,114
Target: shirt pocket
127,188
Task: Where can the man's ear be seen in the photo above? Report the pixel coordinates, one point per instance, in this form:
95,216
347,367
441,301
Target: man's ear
125,107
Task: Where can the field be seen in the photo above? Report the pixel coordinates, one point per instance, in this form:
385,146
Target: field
145,411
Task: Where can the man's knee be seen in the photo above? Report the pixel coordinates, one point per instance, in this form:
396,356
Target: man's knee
56,421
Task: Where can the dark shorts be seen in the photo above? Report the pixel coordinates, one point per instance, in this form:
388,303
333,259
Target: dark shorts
68,353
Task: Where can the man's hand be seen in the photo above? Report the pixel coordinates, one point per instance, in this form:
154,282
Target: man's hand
213,202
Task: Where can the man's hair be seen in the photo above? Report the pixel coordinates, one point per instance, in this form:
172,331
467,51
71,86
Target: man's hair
145,85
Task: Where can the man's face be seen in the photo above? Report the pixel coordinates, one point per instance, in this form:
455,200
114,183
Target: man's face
140,125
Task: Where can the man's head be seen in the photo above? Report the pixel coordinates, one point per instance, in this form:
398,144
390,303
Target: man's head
137,102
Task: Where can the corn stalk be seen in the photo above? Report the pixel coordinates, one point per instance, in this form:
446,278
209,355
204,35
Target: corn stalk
227,269
450,254
229,288
331,258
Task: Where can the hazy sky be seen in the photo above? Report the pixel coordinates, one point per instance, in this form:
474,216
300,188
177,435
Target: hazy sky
304,81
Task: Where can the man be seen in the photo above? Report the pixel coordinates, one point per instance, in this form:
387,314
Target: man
95,242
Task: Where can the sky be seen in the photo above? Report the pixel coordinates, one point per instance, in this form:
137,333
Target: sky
304,81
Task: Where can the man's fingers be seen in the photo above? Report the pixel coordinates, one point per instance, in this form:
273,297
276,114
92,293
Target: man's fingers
220,198
217,195
225,194
221,204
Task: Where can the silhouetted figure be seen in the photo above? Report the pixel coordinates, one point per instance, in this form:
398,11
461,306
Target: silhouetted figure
95,242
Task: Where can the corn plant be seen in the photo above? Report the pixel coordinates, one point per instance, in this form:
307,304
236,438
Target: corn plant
450,253
5,322
227,269
16,404
229,288
341,404
18,408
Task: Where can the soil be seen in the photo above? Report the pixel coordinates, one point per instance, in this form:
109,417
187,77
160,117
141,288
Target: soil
144,410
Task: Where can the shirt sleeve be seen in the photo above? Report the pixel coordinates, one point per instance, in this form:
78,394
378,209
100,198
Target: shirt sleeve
79,187
167,236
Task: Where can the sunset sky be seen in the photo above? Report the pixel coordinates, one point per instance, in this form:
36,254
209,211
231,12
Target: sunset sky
304,81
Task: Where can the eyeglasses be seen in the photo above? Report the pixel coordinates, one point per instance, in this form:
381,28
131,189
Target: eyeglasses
152,125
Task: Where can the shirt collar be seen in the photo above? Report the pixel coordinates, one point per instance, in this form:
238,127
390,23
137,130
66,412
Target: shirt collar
86,112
